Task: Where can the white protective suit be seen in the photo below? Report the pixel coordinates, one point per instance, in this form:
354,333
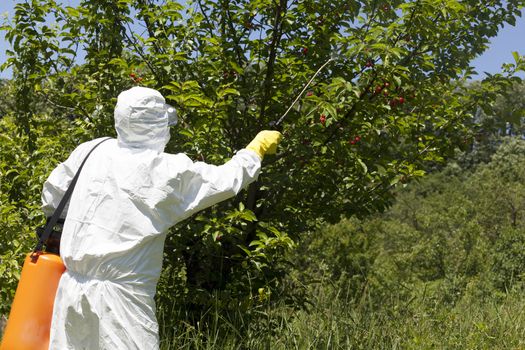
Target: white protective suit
128,195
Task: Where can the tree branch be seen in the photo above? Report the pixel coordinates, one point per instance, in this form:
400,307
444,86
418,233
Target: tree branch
280,11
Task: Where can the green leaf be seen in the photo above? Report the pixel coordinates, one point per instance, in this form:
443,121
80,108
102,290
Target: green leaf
227,91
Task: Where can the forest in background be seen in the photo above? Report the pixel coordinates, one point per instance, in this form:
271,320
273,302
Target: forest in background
443,268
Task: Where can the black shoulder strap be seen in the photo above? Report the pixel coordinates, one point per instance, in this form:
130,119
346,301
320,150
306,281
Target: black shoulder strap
56,215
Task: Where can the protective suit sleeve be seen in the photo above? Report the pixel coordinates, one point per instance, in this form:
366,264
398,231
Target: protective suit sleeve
201,185
58,181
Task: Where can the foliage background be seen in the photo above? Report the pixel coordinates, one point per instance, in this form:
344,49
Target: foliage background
392,106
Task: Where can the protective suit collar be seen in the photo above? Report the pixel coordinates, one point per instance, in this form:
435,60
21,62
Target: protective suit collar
141,119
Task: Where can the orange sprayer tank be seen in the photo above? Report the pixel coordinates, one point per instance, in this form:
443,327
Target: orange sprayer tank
30,317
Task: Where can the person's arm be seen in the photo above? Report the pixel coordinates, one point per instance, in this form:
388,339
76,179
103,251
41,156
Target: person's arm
200,185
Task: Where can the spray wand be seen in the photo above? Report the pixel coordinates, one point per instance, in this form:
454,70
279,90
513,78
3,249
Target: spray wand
279,121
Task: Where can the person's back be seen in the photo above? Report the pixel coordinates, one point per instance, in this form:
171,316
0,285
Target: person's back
128,195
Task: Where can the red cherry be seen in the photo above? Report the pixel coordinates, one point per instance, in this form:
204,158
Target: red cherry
378,90
386,84
369,64
322,119
132,75
305,50
352,142
401,100
309,93
357,139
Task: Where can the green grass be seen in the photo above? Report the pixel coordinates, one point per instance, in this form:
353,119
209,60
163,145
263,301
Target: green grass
336,322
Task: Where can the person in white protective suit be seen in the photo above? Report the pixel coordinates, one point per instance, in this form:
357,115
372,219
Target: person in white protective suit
128,195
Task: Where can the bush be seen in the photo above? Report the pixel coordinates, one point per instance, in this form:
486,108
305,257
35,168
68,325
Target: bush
452,236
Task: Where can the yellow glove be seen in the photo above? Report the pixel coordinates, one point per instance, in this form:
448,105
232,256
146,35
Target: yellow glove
265,142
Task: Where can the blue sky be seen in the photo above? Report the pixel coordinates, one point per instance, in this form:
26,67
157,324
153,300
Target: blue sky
500,51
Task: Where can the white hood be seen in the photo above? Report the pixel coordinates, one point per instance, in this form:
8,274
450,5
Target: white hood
141,119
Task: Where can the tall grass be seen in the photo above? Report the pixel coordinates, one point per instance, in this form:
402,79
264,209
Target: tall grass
336,321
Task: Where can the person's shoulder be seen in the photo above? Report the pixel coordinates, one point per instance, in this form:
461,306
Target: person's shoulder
87,146
174,160
175,157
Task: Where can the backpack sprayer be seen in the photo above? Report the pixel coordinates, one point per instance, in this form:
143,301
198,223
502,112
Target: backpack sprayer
29,321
